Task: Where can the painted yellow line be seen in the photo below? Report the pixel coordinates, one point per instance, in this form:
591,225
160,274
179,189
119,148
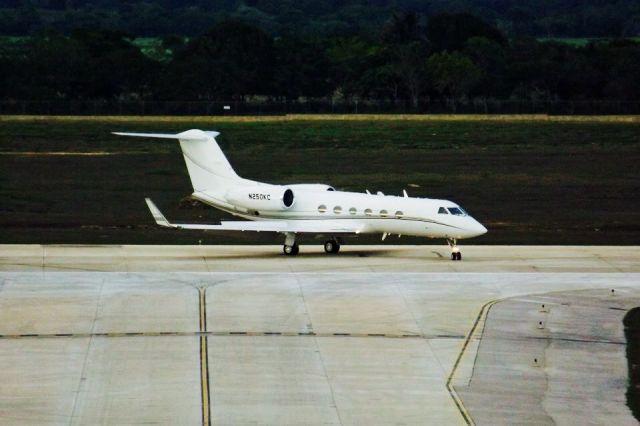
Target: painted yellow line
204,359
484,311
204,381
202,309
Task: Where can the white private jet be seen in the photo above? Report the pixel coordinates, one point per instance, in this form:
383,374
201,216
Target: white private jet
307,208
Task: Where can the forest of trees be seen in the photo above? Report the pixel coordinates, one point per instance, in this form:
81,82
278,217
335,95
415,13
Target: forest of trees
450,56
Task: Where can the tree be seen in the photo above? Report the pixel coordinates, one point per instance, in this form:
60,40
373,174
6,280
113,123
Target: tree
491,58
301,69
114,67
624,68
452,73
233,59
350,59
402,28
406,65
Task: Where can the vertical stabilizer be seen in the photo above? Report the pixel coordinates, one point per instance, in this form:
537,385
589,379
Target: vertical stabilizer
208,167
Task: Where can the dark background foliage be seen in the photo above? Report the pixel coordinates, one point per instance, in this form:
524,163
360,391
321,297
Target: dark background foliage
290,50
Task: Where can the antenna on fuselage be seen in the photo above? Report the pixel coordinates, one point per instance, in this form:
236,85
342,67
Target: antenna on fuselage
367,191
404,192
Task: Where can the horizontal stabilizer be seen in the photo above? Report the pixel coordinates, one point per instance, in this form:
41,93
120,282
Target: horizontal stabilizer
184,136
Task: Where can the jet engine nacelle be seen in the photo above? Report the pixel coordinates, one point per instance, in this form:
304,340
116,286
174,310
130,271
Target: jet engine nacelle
264,197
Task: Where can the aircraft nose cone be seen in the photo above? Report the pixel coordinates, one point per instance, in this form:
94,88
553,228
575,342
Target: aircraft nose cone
478,229
481,229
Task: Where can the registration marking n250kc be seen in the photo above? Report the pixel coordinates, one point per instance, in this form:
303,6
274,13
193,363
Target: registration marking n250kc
260,197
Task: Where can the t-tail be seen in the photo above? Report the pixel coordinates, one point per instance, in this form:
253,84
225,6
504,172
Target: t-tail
209,169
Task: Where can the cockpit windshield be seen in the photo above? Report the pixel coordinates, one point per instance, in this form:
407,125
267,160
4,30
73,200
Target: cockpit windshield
457,211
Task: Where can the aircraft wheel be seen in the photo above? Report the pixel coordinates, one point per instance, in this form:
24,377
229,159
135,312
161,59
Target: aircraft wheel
456,256
331,246
291,250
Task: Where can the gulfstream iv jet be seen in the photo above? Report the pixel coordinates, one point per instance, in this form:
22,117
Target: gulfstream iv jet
318,209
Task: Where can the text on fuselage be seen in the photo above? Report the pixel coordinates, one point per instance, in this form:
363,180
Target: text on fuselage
260,196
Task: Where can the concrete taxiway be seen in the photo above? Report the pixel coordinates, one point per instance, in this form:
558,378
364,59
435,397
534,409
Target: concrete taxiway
245,335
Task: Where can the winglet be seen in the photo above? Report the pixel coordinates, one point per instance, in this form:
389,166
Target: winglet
157,214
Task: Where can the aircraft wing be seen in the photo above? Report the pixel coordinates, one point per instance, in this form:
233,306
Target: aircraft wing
297,226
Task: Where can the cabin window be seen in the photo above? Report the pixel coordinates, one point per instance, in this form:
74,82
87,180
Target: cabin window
322,208
368,212
384,213
337,209
442,210
353,210
399,214
455,211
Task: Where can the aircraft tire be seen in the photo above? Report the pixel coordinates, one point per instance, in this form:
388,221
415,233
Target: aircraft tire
291,250
331,247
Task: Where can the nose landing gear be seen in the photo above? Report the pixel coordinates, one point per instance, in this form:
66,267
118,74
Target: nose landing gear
455,251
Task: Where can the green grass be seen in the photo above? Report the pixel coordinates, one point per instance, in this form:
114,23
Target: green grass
95,135
530,181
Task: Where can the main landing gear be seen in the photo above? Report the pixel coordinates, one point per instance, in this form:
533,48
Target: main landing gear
455,251
331,247
291,248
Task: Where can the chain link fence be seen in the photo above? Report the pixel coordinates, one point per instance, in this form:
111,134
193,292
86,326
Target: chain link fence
318,106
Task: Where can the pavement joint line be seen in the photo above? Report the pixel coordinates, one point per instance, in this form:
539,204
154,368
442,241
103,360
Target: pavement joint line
85,362
454,395
566,339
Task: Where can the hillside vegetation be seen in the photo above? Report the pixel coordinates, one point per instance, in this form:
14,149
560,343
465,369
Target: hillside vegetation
453,58
545,18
